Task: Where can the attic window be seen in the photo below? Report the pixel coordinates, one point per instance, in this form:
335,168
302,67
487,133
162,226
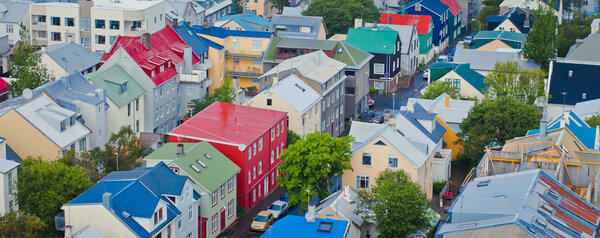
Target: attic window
380,143
483,183
546,208
200,163
325,226
207,156
123,88
195,168
583,96
418,7
570,73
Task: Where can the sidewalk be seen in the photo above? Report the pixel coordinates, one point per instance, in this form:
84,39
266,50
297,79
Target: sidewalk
242,227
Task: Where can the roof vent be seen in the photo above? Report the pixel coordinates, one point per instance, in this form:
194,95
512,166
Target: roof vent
300,87
207,156
470,224
180,149
325,226
483,183
195,168
200,163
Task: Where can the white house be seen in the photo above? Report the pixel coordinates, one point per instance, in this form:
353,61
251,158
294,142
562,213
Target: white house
8,179
13,13
65,58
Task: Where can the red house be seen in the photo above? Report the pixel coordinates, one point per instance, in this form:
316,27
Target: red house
252,138
4,87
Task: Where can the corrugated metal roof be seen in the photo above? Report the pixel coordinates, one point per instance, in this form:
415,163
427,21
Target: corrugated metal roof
588,50
364,38
72,57
295,92
423,22
316,66
501,35
583,132
292,226
7,165
186,33
306,43
15,12
104,78
587,108
434,5
246,21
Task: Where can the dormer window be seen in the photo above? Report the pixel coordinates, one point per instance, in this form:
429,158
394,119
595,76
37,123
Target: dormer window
158,216
123,88
63,125
152,73
72,121
162,68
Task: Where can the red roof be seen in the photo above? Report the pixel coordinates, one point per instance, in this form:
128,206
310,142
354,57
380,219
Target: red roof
166,49
229,124
454,7
4,86
421,21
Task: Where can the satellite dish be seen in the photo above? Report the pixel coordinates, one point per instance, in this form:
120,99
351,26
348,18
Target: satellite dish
27,93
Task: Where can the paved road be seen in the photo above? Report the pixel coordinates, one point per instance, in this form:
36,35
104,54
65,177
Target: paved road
242,226
386,101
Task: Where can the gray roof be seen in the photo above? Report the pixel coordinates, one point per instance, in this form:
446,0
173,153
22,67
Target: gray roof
456,111
587,108
338,202
297,93
302,43
485,60
316,66
587,51
294,11
7,165
311,21
72,57
13,12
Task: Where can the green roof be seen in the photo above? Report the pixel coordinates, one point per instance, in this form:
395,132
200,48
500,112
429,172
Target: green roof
501,35
351,55
218,168
380,41
112,79
469,75
270,55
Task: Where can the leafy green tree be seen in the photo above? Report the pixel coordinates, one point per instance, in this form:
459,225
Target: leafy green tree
396,203
491,123
292,137
237,7
542,42
570,30
491,8
43,187
280,4
438,88
17,224
593,121
225,93
25,65
508,79
339,17
311,164
122,146
89,161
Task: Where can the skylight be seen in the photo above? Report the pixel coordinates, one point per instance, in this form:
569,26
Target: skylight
195,168
207,156
325,226
200,163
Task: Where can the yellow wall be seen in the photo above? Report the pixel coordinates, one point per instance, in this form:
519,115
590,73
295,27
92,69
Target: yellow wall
217,71
507,25
494,45
511,230
260,7
449,138
25,139
230,25
465,87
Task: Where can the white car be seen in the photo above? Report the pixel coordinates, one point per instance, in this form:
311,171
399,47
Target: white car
426,74
278,209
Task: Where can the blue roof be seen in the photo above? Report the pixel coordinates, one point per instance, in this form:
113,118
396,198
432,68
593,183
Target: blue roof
192,39
292,226
433,5
74,87
581,130
420,113
223,33
212,44
246,21
136,194
72,57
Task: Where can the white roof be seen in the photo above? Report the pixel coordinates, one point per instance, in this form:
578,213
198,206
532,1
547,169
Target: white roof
587,108
134,5
316,66
217,7
297,93
58,4
43,113
294,11
7,165
456,111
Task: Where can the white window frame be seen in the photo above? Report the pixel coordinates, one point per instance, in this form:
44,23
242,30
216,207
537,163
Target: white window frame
378,68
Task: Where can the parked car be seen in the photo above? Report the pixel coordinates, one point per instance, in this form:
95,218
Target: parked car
426,74
371,102
376,118
278,209
262,221
443,58
468,40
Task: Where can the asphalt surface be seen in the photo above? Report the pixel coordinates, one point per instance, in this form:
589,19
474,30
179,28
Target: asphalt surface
400,97
242,226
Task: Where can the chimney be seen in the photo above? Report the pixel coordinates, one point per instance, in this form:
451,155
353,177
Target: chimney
346,194
447,101
146,40
310,215
402,10
180,151
244,14
527,15
358,23
543,123
187,60
374,26
389,20
597,143
107,200
275,81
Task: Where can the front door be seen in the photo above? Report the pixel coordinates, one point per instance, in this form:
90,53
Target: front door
223,219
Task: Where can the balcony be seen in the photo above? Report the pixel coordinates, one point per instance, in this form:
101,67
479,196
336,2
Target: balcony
244,54
196,77
248,73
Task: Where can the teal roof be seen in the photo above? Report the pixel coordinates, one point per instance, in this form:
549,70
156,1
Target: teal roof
501,35
218,168
244,21
380,41
112,79
441,65
469,75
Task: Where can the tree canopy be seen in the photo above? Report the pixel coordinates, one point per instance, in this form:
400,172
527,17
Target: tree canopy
280,4
339,17
593,121
571,30
237,7
491,123
396,203
25,65
508,79
43,187
292,137
312,163
18,224
542,42
225,93
490,8
438,88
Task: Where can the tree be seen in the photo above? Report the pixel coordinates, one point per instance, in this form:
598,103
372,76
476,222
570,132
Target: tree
491,123
542,42
292,137
122,146
437,88
237,7
593,121
17,224
507,79
491,8
312,163
396,203
89,161
25,65
570,30
339,17
43,187
225,93
280,4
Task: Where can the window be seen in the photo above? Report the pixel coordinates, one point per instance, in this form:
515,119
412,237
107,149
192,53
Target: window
272,134
273,178
214,224
256,45
215,196
378,68
277,152
114,25
278,129
86,42
259,167
85,24
254,147
282,146
282,126
269,102
393,161
41,18
236,43
272,156
366,159
100,24
55,21
9,28
254,172
179,223
305,29
249,176
160,215
82,144
137,104
112,39
155,218
100,39
222,191
63,125
418,7
137,126
260,144
10,183
69,21
584,96
55,36
129,109
456,83
254,194
249,152
230,184
230,208
362,182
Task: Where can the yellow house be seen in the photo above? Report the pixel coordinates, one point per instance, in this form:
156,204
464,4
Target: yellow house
460,75
262,8
494,45
295,97
244,52
216,54
449,113
39,127
395,146
507,25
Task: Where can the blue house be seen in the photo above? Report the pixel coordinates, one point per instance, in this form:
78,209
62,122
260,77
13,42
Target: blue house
589,136
292,226
439,15
144,202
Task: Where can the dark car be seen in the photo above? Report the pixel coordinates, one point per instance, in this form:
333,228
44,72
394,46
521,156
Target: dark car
376,118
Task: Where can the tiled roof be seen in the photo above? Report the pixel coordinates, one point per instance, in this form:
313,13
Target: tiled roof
228,124
72,57
105,78
364,38
421,21
165,45
454,7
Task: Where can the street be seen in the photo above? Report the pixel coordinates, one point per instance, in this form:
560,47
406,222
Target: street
385,101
